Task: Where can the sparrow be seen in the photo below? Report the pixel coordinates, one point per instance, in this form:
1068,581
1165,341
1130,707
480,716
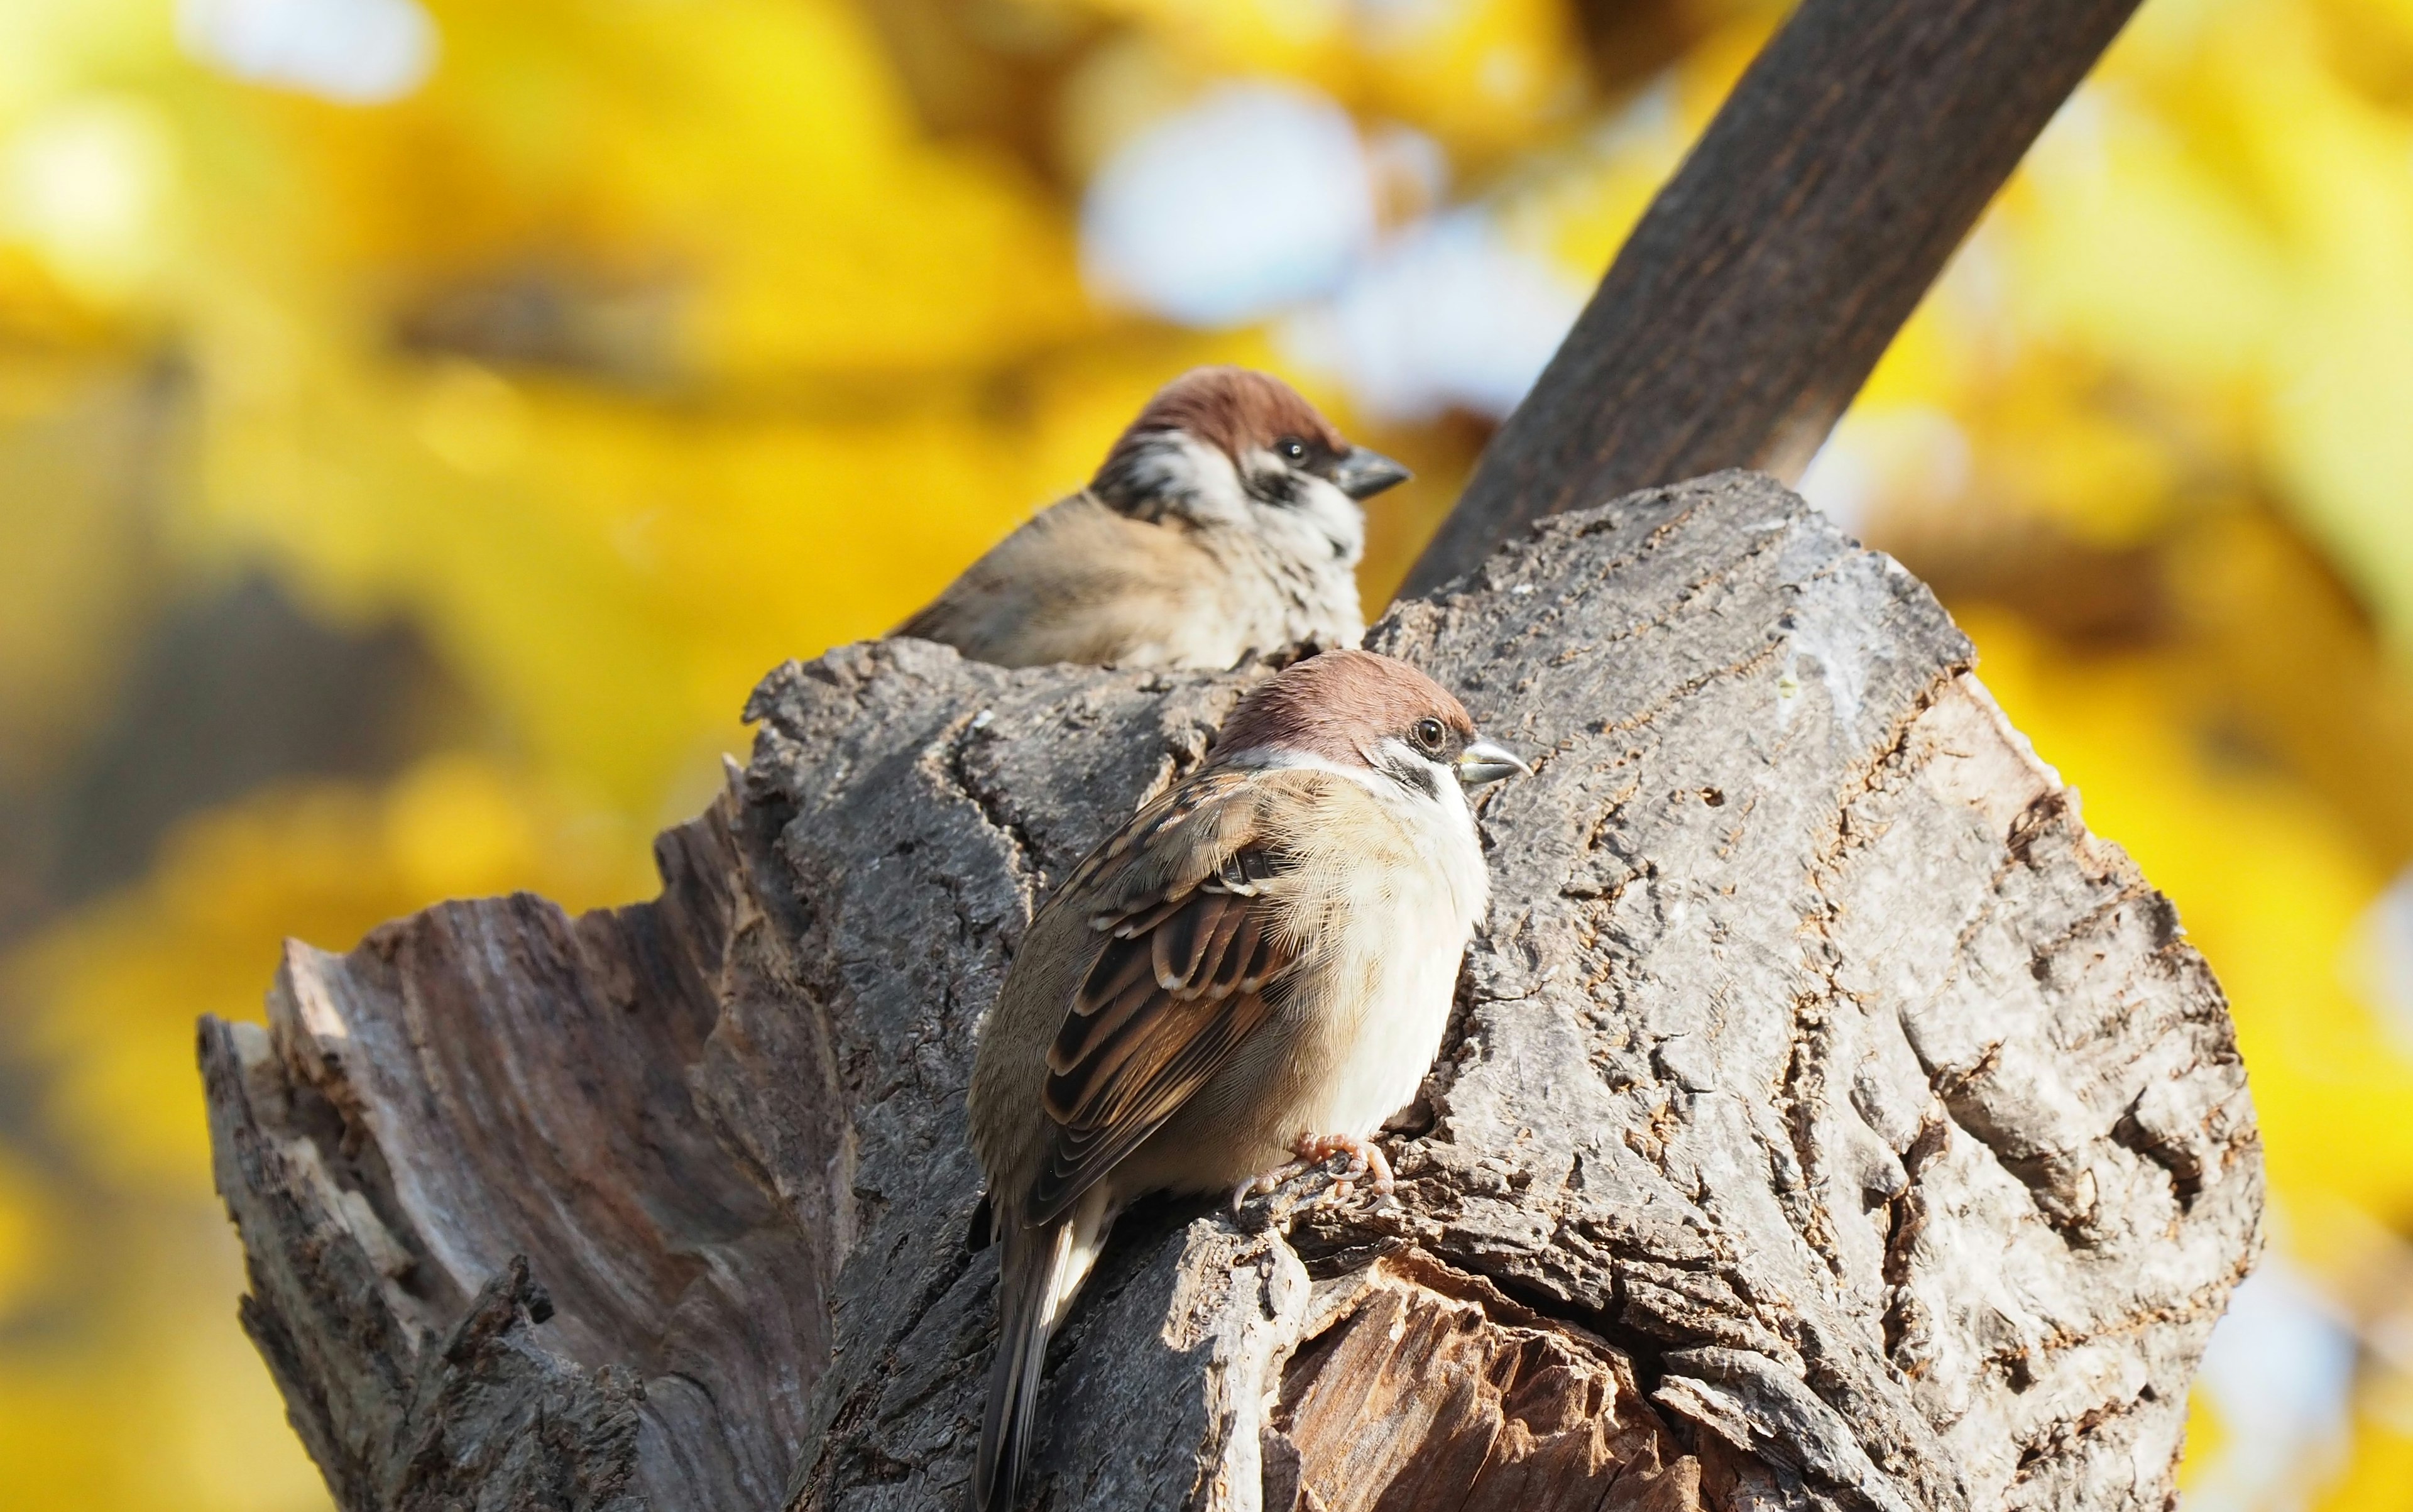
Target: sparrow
1226,520
1254,971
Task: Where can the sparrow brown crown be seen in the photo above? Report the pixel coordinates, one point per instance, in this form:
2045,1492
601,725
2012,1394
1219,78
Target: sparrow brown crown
1338,706
1237,409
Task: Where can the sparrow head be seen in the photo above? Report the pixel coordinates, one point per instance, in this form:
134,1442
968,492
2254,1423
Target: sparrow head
1360,711
1230,447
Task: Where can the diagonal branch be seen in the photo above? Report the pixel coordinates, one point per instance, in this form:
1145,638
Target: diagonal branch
1748,308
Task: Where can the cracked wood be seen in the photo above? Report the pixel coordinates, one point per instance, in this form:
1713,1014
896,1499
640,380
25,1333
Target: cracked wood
1828,1119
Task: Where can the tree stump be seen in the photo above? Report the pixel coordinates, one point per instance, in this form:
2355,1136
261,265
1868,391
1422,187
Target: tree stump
1827,1118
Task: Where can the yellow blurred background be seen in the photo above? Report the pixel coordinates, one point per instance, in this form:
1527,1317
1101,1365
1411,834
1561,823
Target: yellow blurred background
420,420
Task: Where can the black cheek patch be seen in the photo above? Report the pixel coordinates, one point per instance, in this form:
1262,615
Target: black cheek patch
1278,489
1413,774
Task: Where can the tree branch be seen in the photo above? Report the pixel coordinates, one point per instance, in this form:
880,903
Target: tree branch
1827,1120
1766,278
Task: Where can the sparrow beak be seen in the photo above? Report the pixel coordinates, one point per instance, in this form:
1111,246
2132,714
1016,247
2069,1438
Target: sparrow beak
1364,473
1482,762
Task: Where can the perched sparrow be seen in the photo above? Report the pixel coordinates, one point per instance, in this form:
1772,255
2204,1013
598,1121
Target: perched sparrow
1225,520
1257,967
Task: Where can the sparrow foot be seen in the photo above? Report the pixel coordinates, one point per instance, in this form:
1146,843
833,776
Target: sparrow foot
1366,1160
1257,1186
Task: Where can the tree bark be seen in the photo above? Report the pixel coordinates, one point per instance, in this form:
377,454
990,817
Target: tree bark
1771,274
1827,1119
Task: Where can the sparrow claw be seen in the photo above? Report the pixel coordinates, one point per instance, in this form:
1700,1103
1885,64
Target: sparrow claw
1265,1183
1366,1158
1365,1165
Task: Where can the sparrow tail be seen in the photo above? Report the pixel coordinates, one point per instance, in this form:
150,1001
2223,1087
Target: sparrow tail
1035,1260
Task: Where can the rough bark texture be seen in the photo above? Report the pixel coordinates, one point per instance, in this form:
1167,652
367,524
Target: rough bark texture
1750,305
1829,1120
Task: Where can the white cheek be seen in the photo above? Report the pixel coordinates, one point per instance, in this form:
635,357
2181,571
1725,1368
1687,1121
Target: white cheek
1453,793
1212,483
1173,467
1341,518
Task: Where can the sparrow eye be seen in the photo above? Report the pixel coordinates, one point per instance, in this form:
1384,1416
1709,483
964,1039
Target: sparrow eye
1291,449
1428,735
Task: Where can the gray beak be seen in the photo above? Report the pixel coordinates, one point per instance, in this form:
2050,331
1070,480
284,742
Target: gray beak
1482,762
1363,473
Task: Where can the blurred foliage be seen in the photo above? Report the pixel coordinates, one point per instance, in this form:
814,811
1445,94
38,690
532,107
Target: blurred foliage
523,420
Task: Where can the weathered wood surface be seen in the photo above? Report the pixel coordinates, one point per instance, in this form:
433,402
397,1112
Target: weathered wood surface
1830,1120
1772,271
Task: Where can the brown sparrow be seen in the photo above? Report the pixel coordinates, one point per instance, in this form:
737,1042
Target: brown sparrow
1255,968
1224,521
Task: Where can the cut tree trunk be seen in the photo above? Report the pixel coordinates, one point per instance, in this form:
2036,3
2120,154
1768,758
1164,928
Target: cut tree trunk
1827,1119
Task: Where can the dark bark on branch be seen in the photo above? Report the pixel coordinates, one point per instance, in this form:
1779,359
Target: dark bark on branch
1828,1120
1766,278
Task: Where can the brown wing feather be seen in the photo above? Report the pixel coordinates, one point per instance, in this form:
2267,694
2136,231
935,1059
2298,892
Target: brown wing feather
1188,956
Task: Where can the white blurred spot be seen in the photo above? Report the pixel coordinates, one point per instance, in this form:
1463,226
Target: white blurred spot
2075,145
2384,943
1504,74
1649,123
1447,315
1410,172
1839,482
1913,456
1401,23
85,184
1257,197
1976,280
2281,1370
352,51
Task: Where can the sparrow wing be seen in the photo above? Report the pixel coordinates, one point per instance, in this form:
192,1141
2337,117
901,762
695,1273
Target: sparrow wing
1076,583
1191,950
